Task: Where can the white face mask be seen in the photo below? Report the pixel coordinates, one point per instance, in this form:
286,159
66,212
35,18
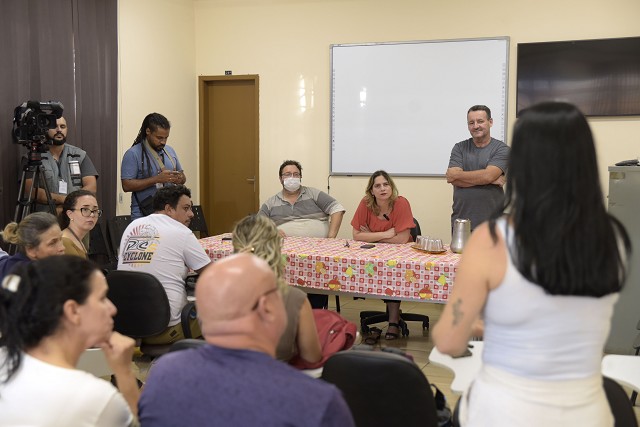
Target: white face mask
292,184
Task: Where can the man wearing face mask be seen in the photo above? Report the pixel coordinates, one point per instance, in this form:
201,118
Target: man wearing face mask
66,168
303,211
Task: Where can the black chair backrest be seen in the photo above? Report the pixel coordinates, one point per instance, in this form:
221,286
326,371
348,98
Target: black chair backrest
116,227
99,251
198,222
369,379
415,231
621,407
142,303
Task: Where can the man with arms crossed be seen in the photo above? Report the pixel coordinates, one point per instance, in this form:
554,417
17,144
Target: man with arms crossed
66,168
163,245
233,379
477,169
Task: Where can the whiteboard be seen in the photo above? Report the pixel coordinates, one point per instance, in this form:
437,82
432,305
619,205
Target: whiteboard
402,106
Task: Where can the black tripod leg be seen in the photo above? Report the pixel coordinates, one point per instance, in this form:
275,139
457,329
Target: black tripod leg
27,201
23,205
45,187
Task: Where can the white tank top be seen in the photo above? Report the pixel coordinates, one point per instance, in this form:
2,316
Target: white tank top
540,336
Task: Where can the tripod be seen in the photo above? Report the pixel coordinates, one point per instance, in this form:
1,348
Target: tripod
27,200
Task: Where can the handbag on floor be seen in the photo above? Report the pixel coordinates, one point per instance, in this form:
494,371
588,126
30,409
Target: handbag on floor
335,332
442,409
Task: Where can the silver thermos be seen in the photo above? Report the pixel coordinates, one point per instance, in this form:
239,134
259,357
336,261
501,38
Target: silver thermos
461,232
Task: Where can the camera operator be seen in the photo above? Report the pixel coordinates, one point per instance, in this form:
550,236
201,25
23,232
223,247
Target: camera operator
66,168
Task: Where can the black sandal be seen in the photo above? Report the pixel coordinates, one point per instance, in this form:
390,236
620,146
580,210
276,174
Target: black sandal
390,336
373,337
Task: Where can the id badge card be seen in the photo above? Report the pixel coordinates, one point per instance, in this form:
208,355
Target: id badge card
62,186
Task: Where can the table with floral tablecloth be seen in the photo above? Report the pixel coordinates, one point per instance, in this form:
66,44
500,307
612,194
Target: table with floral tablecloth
342,266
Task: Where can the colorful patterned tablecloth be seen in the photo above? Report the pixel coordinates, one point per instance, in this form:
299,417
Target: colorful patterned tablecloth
384,271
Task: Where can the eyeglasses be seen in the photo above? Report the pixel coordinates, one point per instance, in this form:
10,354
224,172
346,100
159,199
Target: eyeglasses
255,306
88,212
291,175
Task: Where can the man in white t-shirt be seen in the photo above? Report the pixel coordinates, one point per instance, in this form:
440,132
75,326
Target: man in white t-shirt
163,245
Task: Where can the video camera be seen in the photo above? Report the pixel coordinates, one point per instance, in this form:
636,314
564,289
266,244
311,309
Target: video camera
32,120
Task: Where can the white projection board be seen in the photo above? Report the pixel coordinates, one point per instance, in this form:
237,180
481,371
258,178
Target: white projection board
402,106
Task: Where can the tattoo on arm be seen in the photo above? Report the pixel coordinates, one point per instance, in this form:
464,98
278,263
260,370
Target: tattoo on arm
457,314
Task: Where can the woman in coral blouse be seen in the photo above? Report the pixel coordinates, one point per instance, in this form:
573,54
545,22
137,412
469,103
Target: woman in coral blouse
384,216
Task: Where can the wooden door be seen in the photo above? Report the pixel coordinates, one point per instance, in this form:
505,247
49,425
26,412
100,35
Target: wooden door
229,147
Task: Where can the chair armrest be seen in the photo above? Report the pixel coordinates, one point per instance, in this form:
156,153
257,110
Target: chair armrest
190,283
184,318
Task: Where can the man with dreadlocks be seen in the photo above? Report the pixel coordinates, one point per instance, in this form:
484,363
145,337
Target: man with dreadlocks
150,164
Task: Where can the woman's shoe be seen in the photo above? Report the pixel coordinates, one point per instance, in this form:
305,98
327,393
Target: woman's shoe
373,337
390,336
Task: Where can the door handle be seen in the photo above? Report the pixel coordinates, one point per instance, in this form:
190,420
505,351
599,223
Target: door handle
253,181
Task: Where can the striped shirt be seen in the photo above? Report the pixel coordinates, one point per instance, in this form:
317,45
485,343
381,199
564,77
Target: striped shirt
308,216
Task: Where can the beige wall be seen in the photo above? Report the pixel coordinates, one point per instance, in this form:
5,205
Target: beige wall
287,43
156,53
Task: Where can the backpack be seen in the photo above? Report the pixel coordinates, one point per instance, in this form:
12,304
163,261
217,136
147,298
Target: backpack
335,332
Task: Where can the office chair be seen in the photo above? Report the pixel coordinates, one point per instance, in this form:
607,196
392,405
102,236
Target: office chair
625,369
198,222
99,251
115,229
636,347
370,378
621,408
143,308
371,317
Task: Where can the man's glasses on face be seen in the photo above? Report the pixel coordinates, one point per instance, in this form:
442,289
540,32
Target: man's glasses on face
291,175
88,212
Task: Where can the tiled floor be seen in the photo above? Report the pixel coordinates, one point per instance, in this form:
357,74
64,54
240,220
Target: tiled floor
418,343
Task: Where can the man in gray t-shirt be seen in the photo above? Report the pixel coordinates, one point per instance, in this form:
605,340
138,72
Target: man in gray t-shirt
477,169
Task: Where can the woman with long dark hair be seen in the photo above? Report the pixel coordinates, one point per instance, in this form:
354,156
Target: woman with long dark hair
544,279
51,310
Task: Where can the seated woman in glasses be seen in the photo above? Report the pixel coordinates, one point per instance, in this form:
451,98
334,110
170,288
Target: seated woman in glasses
37,236
79,215
384,216
51,311
259,235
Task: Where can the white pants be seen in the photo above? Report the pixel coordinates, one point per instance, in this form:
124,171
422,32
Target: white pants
498,398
